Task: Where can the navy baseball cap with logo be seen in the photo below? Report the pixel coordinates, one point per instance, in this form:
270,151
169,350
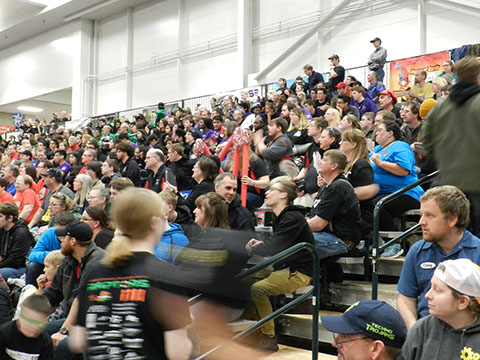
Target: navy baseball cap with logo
77,229
375,319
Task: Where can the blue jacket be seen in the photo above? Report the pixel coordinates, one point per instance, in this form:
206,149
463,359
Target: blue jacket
374,89
47,243
172,243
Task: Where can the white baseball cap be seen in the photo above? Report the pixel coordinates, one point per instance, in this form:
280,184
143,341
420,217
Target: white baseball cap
462,275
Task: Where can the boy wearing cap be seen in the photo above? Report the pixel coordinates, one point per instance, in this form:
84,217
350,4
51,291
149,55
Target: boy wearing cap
452,331
367,330
377,59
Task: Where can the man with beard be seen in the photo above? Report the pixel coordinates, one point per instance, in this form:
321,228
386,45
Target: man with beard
128,167
445,216
81,255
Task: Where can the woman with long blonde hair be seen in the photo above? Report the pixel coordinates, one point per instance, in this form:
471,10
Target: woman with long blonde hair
333,117
359,173
145,288
297,131
82,185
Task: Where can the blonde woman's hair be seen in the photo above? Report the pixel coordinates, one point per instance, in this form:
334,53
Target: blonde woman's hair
302,123
132,215
302,97
360,151
55,258
66,201
440,82
87,185
336,118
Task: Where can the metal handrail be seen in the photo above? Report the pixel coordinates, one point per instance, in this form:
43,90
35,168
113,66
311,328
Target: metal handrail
376,229
314,292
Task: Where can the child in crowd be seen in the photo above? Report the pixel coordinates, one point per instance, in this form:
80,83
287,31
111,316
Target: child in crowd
52,262
26,338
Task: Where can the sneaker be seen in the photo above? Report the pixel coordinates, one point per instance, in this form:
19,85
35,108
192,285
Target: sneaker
392,252
268,344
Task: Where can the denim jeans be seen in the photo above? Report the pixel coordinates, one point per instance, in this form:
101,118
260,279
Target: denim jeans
380,74
8,273
328,244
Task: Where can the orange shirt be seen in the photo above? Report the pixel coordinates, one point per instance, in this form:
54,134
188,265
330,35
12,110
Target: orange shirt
28,197
6,197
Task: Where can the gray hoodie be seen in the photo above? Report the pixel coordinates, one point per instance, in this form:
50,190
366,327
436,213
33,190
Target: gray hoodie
431,338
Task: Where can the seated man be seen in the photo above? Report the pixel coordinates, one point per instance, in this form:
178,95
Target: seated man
289,228
445,216
239,217
421,90
335,219
369,329
15,241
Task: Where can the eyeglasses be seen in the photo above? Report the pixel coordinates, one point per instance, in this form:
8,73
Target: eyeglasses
346,341
52,205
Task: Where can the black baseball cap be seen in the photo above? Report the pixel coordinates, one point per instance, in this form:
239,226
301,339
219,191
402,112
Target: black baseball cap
77,229
53,172
27,152
375,319
334,56
376,39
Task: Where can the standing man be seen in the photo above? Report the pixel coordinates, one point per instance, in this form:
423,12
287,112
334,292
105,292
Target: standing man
377,59
160,174
445,216
337,73
369,329
128,166
15,241
456,151
314,77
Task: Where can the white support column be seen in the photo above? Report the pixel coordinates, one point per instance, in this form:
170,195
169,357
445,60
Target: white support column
129,92
82,91
422,26
181,44
244,40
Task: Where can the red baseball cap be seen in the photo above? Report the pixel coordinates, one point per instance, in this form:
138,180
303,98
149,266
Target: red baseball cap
341,85
389,93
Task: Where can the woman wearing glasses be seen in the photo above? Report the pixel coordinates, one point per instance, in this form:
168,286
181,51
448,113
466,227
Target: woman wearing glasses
289,228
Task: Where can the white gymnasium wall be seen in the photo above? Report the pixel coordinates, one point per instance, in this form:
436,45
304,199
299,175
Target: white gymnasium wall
40,65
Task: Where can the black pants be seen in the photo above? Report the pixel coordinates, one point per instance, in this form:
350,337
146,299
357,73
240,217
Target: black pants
394,209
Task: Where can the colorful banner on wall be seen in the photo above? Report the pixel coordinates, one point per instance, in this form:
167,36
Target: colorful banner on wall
6,129
402,72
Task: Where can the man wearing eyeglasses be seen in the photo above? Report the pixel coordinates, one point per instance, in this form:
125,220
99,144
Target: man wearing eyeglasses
367,330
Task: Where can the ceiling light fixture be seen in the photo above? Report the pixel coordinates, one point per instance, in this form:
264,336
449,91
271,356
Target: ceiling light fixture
29,109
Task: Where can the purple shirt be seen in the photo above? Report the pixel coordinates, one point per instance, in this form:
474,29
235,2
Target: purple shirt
366,106
65,167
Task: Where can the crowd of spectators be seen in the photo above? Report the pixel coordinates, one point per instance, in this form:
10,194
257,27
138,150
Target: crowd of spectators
322,155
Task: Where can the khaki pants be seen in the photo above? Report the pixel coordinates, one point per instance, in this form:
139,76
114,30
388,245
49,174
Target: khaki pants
277,283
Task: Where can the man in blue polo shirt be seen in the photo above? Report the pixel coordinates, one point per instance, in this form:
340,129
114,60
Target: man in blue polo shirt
445,216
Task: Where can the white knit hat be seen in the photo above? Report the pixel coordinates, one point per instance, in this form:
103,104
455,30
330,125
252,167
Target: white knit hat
462,275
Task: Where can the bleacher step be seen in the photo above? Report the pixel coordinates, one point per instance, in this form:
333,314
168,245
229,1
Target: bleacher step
240,325
390,267
291,353
350,292
300,326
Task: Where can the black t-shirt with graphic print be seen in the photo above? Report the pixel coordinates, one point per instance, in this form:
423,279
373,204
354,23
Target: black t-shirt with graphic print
127,309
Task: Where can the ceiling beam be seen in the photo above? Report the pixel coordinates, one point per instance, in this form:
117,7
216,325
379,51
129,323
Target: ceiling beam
302,40
456,6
